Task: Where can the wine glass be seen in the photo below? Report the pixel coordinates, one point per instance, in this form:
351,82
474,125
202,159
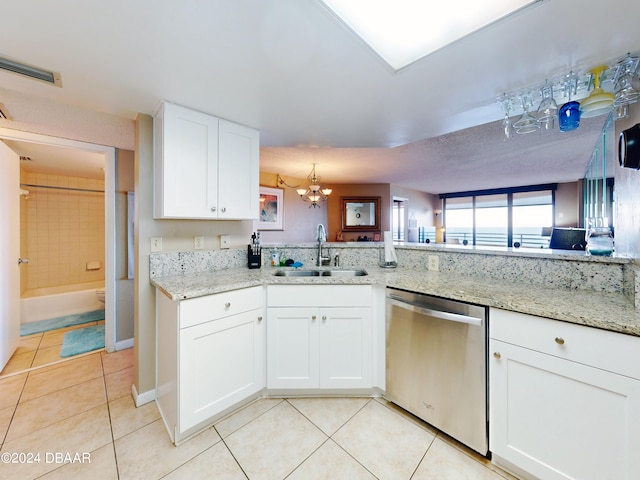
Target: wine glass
625,92
548,109
527,123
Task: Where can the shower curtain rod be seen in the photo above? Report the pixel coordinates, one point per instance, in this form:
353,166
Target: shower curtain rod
61,188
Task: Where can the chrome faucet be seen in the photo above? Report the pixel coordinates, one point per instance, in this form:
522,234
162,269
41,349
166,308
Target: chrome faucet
321,236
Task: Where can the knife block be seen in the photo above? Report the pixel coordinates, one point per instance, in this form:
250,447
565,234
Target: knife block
254,260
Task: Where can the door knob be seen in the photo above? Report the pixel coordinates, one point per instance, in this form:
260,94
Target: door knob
560,340
496,354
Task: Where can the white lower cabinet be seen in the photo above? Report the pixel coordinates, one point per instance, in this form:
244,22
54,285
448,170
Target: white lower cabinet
564,399
210,357
318,346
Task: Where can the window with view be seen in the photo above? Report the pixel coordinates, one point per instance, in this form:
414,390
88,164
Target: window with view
501,217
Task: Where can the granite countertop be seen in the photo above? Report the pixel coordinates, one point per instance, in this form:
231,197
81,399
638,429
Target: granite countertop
607,311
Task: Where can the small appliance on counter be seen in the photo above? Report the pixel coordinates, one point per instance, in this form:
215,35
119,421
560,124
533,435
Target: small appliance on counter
254,252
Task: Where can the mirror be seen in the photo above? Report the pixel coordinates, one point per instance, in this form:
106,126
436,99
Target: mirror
360,214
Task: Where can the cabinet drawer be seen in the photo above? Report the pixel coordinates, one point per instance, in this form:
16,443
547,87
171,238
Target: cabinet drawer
319,296
611,351
211,307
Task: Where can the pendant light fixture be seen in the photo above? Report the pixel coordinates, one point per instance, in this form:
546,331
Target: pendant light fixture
598,102
314,193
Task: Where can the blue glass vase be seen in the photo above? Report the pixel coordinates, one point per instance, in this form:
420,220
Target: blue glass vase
569,116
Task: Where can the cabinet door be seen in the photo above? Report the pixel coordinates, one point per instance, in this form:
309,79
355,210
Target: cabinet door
292,348
186,163
238,158
558,419
221,363
346,348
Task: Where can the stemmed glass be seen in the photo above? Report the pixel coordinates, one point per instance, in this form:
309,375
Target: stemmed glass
506,122
624,90
548,109
527,123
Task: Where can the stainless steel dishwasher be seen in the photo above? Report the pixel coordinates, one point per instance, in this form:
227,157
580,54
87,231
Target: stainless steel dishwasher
436,364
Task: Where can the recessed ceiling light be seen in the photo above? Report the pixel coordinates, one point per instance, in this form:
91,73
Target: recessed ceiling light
52,78
403,31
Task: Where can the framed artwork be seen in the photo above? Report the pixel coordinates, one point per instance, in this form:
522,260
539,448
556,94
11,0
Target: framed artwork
271,209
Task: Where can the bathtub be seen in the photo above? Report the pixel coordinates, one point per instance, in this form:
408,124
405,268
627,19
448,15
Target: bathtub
52,302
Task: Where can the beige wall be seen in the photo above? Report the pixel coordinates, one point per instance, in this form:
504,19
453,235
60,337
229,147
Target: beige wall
568,205
300,221
64,231
419,204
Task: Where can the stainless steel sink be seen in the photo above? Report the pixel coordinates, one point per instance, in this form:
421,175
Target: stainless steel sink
297,273
321,273
344,273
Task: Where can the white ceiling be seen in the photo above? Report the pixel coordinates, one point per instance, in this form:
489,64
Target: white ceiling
292,70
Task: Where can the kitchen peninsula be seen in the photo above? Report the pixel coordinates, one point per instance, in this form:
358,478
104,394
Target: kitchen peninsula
563,322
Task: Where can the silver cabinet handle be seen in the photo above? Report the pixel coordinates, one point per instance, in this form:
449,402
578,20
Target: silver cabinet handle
213,209
23,260
496,354
560,340
227,305
260,318
324,318
224,209
313,317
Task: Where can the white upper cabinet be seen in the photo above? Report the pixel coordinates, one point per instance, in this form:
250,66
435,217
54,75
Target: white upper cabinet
204,167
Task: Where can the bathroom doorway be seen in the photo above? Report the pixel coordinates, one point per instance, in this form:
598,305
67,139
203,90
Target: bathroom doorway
107,156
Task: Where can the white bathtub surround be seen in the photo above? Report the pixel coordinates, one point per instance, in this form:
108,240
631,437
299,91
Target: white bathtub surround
56,302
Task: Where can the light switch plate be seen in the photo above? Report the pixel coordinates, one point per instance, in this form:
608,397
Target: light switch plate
434,263
225,241
198,242
156,244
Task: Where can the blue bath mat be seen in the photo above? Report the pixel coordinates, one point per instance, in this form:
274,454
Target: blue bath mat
82,340
60,322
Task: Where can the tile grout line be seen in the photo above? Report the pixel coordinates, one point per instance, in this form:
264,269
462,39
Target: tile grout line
113,440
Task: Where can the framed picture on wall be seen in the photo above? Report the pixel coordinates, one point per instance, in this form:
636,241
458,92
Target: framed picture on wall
271,209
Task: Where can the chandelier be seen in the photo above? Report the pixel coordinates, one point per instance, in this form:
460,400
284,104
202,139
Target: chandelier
313,193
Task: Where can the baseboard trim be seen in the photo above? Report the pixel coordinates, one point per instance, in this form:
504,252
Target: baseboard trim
124,344
142,398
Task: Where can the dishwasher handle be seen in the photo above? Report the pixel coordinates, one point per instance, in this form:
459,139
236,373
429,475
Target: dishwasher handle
454,317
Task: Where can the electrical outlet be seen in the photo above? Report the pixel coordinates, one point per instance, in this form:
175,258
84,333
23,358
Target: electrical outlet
434,263
225,241
198,242
156,244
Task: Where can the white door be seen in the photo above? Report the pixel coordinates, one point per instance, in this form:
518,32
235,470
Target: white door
10,252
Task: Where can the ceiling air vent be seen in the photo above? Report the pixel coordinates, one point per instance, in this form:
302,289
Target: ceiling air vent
36,73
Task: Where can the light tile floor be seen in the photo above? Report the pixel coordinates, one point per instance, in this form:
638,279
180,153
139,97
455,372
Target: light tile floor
85,405
39,349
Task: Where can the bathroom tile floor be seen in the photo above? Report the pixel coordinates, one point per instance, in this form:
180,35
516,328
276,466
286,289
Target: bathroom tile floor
83,408
39,349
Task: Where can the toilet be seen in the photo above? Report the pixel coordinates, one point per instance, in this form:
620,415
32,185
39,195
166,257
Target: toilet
100,295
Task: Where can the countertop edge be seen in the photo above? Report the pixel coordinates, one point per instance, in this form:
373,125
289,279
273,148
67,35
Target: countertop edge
612,312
